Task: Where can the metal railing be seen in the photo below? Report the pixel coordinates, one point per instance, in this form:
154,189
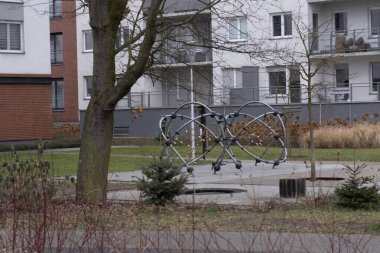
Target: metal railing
181,53
353,92
350,41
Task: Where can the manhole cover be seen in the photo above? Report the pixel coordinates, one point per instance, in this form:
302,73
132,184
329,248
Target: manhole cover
212,191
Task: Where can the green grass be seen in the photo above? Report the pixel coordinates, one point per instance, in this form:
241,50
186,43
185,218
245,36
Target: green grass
135,157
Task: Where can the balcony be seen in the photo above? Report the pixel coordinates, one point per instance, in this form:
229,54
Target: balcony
356,42
179,52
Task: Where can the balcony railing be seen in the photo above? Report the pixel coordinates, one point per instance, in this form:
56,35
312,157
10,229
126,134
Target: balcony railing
353,92
350,41
179,52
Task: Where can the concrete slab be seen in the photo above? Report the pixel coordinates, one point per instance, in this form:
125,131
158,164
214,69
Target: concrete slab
260,182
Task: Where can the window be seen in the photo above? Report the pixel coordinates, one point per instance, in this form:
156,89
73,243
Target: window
277,82
122,36
375,21
55,8
126,34
282,25
237,28
375,76
88,40
57,94
10,36
340,22
88,86
56,48
342,75
232,78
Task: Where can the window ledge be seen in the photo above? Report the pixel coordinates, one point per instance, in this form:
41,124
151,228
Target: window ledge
57,63
88,51
281,37
237,40
275,95
58,109
11,52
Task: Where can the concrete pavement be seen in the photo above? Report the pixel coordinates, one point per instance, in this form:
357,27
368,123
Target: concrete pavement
259,182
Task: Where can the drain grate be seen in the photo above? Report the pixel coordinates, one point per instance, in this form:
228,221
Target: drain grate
212,191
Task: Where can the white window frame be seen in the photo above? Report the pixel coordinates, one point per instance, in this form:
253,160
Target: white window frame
8,50
235,73
342,66
85,87
84,32
282,15
370,22
278,69
241,35
54,98
371,90
341,32
56,7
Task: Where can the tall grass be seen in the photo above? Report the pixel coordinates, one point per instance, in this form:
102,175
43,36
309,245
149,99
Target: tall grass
361,135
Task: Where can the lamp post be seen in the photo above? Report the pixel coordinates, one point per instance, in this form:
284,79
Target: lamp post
192,114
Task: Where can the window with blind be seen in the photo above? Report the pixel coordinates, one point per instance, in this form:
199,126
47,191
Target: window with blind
10,36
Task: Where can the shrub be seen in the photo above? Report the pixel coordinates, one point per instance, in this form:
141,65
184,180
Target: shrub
358,192
164,181
25,183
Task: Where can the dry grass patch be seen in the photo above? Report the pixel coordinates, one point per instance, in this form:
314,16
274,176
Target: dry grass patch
363,135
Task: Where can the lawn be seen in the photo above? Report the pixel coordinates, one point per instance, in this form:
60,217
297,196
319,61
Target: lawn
135,157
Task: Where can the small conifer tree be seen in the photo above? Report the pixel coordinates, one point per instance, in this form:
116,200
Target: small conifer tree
162,181
358,192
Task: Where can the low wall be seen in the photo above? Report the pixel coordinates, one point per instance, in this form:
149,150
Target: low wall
145,124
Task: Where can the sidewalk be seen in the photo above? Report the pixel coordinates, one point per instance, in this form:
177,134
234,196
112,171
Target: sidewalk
258,182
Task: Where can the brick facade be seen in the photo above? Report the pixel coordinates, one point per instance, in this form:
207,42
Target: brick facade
25,111
68,70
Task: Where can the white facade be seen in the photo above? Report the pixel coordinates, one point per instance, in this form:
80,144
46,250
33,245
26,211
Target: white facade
85,62
25,41
355,51
346,40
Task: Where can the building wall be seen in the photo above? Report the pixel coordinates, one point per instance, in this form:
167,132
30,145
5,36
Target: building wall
85,61
68,70
25,85
25,108
146,124
34,57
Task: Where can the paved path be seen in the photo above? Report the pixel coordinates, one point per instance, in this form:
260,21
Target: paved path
258,182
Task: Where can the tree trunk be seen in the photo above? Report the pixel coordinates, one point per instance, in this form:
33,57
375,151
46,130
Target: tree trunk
94,155
311,132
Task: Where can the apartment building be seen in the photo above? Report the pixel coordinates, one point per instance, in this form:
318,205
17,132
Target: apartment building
348,33
25,86
63,59
255,50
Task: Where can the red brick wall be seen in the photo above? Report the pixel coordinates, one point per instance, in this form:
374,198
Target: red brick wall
68,70
25,112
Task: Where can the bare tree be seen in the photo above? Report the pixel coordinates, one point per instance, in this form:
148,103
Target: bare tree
298,55
150,34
